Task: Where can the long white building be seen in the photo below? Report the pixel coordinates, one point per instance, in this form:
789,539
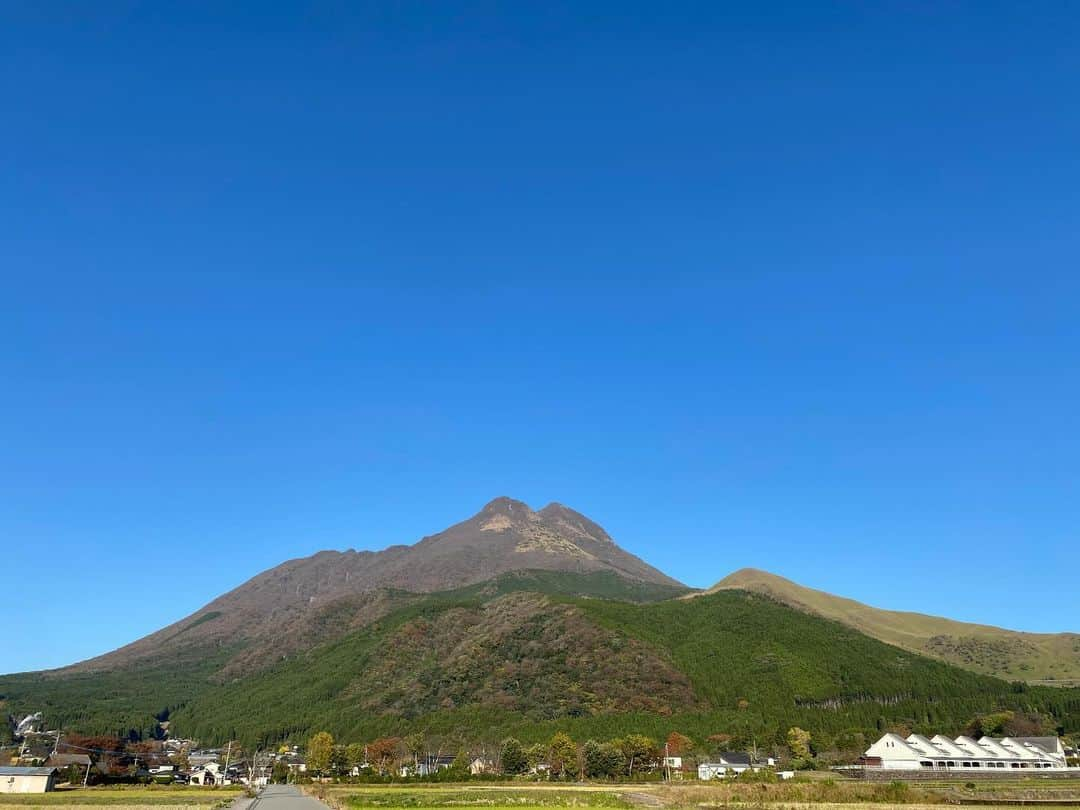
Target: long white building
916,752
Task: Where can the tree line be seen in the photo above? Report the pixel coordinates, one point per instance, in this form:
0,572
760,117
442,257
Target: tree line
629,757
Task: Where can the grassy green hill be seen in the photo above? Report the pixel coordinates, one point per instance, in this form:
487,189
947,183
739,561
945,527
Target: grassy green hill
1046,658
531,654
528,665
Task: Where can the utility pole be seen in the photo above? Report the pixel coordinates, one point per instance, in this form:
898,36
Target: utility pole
228,754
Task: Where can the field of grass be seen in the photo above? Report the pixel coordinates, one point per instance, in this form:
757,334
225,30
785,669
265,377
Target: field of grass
500,797
794,795
508,797
128,797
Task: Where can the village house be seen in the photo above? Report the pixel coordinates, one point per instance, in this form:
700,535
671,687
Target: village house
987,755
673,767
260,771
733,763
211,774
14,779
426,766
296,763
199,758
36,748
163,773
178,745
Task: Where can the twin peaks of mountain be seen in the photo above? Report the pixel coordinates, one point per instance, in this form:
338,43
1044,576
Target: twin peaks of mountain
504,537
523,616
508,545
507,535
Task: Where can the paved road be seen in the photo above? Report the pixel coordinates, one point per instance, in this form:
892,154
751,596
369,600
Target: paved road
282,797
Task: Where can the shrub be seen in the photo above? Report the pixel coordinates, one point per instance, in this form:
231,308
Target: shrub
897,791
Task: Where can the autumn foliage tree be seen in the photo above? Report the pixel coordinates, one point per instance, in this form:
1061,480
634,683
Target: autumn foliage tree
678,744
638,750
562,755
320,750
798,741
383,753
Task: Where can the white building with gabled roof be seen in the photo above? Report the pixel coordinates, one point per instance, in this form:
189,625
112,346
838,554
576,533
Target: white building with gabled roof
987,754
15,779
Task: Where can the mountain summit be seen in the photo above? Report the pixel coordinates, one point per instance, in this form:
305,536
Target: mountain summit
507,536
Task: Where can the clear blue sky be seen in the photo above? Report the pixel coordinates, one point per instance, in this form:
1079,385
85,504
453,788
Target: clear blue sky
792,286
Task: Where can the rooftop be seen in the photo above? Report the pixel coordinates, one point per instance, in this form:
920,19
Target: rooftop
10,770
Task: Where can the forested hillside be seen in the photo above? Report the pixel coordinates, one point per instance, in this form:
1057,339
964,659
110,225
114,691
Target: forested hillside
526,656
1047,658
130,698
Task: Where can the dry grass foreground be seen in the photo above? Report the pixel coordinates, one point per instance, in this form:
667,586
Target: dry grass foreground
802,793
128,797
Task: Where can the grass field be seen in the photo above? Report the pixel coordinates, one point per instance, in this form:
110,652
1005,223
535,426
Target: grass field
795,795
153,797
506,797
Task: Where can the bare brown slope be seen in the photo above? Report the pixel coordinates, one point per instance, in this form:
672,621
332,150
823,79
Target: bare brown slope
504,537
1052,658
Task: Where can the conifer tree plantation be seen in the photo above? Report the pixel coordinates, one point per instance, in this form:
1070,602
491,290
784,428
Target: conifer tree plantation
481,664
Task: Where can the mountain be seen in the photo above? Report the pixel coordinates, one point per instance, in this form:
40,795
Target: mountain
520,622
1050,658
482,662
279,606
527,663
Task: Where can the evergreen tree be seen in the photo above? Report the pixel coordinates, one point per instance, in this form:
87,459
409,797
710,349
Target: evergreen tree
513,758
592,759
355,755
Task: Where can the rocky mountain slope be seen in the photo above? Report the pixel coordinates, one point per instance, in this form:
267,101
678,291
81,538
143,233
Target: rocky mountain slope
1050,658
506,536
521,621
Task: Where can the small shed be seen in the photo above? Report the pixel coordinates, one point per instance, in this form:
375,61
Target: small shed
26,780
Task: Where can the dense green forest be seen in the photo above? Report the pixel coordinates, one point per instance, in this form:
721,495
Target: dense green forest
131,702
755,669
530,655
